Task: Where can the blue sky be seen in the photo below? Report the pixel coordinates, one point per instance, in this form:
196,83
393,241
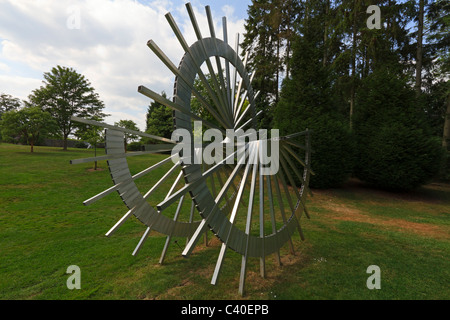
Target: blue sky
105,41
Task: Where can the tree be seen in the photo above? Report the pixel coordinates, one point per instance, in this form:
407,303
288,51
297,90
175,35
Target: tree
396,149
91,134
29,122
438,20
127,124
419,56
438,39
269,29
159,120
307,103
66,93
8,103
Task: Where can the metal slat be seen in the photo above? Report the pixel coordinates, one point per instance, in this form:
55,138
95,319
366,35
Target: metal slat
232,218
115,128
248,223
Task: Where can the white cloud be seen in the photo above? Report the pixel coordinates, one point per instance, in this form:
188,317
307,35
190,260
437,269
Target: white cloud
18,86
103,40
228,10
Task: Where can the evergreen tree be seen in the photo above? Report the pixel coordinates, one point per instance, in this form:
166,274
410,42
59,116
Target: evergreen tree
396,149
307,102
267,39
159,120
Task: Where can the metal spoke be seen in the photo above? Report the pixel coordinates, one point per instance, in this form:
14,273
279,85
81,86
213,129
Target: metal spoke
249,221
232,218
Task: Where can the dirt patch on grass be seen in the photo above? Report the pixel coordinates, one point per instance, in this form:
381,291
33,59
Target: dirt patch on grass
94,170
433,193
255,285
345,213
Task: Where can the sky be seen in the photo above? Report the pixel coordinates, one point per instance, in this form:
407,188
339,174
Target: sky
104,40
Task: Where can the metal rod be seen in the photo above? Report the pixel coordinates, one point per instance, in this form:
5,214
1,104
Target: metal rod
227,64
186,48
222,106
116,186
160,54
280,202
262,259
272,215
167,202
164,178
213,212
244,97
249,222
239,88
218,63
141,242
115,156
245,111
233,92
232,218
174,184
169,237
108,126
120,222
175,106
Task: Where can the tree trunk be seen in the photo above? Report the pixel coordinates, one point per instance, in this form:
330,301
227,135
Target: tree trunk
278,67
353,74
446,135
65,142
32,146
419,54
288,38
95,155
325,34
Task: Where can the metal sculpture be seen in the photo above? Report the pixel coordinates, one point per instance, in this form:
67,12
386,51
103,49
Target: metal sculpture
220,192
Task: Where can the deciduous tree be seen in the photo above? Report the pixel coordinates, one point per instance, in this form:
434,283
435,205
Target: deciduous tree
66,93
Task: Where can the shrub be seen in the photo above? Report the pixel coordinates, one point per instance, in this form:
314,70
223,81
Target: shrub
396,150
331,141
134,146
398,157
81,144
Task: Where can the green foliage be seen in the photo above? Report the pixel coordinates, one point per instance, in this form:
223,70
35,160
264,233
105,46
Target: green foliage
332,159
8,103
134,146
267,40
29,123
395,147
159,121
90,133
66,93
197,107
131,125
307,102
81,145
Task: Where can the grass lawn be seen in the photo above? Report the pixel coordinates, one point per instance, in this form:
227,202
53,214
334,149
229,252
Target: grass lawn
45,228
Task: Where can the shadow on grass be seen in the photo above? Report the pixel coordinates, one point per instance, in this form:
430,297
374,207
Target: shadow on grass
435,192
